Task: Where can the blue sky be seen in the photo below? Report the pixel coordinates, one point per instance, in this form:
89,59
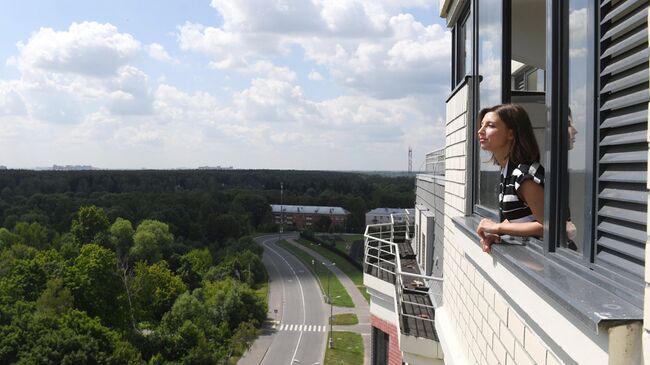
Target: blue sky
321,84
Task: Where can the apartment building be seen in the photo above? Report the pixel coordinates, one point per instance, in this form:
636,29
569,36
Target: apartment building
299,217
575,296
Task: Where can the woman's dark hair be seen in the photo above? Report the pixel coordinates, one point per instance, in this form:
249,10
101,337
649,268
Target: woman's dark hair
524,148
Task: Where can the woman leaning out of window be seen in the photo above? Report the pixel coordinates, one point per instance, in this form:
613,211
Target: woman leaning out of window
507,133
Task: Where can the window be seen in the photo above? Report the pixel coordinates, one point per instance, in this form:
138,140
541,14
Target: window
490,55
380,343
462,44
579,105
584,82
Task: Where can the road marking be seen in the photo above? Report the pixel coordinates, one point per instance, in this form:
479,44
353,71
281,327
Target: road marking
302,295
302,328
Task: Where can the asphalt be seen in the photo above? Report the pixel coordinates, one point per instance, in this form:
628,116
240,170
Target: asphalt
296,329
297,332
361,306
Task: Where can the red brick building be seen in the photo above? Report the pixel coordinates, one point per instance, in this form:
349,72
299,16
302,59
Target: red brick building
299,217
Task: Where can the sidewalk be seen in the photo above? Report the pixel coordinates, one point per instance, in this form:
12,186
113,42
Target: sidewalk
361,307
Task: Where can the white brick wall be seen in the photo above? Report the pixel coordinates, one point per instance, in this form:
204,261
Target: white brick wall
487,328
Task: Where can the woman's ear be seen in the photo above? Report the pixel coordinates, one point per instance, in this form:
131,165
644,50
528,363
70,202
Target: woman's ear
511,135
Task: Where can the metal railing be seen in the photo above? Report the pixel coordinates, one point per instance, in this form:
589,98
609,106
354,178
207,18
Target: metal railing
380,243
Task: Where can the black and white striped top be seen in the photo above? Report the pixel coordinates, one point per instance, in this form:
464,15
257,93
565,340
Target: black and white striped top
511,206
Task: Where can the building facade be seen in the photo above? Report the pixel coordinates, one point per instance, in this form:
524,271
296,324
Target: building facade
575,296
300,217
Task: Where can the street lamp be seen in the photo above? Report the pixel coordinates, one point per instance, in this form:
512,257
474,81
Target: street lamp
329,298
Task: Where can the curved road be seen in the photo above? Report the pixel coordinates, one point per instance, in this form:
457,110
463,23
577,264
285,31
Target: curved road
299,331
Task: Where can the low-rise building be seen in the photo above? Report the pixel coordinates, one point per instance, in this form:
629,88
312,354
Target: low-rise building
299,217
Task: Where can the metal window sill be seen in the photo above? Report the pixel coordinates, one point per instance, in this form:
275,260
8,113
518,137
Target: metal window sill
590,297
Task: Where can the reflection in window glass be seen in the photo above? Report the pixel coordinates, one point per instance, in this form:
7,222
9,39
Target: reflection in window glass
577,123
463,44
489,68
469,31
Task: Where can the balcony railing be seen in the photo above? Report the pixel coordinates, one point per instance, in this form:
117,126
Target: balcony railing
389,257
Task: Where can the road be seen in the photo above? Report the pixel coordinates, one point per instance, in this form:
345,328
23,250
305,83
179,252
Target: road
298,333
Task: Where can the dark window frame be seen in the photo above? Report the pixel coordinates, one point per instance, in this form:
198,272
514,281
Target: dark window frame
458,61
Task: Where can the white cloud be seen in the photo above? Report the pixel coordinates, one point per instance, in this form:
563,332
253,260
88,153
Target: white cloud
578,33
315,76
287,137
86,48
11,101
367,46
158,52
86,96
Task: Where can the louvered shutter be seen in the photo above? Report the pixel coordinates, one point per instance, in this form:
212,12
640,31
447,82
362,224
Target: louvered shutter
621,230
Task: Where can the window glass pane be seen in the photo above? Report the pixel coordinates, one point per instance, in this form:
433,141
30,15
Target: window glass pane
490,46
577,124
528,63
469,33
528,45
463,42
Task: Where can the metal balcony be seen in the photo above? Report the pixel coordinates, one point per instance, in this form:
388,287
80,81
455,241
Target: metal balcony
390,258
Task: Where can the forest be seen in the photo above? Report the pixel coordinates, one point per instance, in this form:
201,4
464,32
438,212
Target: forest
158,267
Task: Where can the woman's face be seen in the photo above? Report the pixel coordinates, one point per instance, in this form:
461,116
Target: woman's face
572,133
494,135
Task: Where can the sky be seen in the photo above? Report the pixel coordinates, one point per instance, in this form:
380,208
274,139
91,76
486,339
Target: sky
273,84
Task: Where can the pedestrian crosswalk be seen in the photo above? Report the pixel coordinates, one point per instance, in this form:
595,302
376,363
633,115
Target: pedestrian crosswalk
302,327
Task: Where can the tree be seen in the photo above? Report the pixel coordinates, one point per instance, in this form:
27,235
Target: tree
254,205
200,259
155,289
323,223
95,283
122,235
244,266
7,238
73,338
193,265
233,303
223,226
90,221
31,234
55,299
151,240
25,280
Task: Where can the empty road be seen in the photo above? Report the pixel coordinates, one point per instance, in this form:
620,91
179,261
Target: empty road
296,307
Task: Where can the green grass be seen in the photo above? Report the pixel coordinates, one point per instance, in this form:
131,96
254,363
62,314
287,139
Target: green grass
352,272
345,319
347,349
340,296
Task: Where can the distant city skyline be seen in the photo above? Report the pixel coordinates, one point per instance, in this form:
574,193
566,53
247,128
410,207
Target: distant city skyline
317,85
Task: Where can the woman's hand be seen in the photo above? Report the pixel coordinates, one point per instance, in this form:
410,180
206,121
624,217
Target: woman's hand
487,226
488,230
486,243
